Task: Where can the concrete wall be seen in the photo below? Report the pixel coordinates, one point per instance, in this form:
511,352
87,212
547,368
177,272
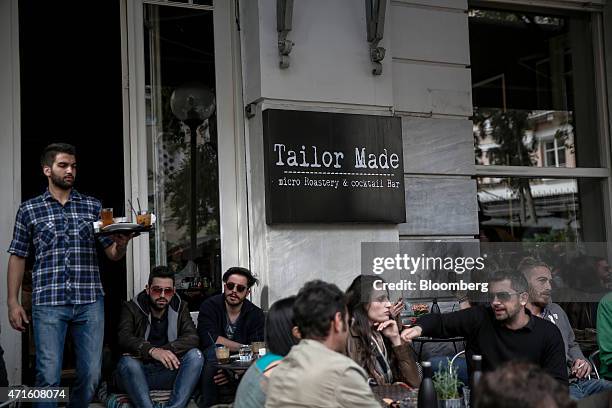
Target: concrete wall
329,62
10,182
330,71
432,93
425,79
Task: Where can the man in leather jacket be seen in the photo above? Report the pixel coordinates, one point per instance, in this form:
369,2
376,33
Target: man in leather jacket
160,344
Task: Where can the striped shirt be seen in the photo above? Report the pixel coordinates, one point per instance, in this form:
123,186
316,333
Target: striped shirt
65,262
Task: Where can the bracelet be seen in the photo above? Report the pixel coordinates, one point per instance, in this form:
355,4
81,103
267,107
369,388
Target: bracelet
151,351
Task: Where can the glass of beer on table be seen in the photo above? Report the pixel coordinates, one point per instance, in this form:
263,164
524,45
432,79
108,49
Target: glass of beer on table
223,354
256,346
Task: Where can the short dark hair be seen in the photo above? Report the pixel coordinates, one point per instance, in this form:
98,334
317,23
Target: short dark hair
279,327
529,263
517,280
237,270
315,308
48,155
161,271
521,384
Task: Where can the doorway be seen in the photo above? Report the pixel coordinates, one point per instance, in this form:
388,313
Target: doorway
70,66
196,186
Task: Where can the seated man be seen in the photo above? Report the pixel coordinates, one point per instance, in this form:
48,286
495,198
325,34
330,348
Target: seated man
228,318
160,343
539,278
503,331
316,373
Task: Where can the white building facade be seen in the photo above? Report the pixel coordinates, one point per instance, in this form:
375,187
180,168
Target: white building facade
426,78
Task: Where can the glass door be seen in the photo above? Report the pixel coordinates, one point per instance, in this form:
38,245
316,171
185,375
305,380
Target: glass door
181,129
182,154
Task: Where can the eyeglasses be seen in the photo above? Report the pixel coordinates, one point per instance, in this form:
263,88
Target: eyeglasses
157,290
239,288
502,296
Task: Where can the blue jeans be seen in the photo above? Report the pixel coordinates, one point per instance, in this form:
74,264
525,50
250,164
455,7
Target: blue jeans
137,378
86,324
583,388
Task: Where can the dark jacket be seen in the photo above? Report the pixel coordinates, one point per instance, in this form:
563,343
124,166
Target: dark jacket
401,359
539,342
135,324
213,319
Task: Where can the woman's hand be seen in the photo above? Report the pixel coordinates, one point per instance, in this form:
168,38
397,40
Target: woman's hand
396,308
390,330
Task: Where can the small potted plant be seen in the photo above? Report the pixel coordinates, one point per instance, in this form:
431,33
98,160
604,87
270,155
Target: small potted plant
447,384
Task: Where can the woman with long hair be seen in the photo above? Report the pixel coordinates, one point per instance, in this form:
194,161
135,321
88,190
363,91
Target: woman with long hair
374,340
280,336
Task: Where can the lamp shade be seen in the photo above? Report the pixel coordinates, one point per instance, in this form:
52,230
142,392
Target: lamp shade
192,101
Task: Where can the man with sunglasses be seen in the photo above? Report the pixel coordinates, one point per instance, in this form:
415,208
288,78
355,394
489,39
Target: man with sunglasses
228,318
501,331
160,344
539,278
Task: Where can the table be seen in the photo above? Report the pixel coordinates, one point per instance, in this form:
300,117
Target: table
424,340
236,368
395,392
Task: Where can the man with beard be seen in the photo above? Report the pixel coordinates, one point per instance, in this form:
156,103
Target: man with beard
316,372
230,319
539,278
502,331
67,293
159,342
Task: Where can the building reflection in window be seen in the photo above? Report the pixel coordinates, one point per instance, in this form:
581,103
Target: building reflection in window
540,209
533,89
179,50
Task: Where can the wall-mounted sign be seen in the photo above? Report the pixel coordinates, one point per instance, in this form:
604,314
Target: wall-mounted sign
333,167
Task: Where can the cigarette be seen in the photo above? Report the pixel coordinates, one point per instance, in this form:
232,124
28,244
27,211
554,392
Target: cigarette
579,367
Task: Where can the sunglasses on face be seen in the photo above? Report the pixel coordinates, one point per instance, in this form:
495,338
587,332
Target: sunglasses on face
501,296
157,290
239,288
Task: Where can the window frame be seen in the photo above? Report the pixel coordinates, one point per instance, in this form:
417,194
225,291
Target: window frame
557,149
234,226
601,100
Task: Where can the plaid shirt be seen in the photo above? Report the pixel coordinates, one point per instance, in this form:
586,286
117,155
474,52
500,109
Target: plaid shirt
66,265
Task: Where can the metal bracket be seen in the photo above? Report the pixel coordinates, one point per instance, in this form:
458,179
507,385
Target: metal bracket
249,110
284,19
375,22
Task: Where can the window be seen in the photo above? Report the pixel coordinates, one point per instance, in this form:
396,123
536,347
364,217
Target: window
183,168
541,175
540,209
554,153
532,75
